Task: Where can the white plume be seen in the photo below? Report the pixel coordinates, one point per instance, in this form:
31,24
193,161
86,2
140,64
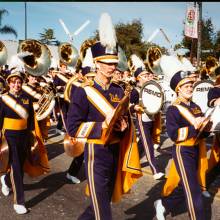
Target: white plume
169,66
54,63
137,62
107,33
88,59
122,60
187,65
182,51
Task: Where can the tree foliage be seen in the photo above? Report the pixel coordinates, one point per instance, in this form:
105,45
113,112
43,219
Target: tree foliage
47,37
130,39
6,29
207,40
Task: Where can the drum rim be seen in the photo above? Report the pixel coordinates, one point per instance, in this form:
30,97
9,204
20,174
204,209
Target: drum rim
203,81
150,82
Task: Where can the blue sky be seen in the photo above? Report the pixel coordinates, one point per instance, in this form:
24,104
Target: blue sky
166,15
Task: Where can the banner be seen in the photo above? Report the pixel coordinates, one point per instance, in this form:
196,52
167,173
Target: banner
191,22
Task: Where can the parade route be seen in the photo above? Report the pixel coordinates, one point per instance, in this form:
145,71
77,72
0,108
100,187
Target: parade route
52,196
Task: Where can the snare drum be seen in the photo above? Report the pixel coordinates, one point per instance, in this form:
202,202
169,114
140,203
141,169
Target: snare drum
151,97
200,94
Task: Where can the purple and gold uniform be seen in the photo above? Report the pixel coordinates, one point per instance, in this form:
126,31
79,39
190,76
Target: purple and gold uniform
145,125
84,120
16,122
188,154
77,161
31,91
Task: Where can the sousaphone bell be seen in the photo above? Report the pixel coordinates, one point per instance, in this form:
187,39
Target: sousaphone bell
35,56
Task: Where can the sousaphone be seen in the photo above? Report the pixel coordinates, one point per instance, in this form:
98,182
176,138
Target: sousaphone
153,60
68,54
35,56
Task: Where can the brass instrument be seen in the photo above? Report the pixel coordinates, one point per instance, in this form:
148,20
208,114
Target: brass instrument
68,54
46,103
35,56
85,45
211,64
69,86
3,54
153,60
4,155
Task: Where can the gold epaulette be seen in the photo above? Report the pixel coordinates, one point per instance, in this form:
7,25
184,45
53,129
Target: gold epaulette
176,102
87,83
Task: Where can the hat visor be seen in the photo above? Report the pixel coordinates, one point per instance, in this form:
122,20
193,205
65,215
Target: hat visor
107,59
184,81
14,75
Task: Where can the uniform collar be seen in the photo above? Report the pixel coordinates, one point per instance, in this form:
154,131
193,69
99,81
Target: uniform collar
15,95
104,87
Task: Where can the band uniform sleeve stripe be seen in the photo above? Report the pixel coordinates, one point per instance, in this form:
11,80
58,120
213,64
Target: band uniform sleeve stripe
182,134
85,129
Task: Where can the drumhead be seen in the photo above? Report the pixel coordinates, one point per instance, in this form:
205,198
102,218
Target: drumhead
200,93
151,97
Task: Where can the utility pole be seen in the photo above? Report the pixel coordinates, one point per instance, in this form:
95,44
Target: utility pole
25,19
199,33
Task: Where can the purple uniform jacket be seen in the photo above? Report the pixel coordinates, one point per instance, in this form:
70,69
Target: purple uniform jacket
178,128
82,111
6,112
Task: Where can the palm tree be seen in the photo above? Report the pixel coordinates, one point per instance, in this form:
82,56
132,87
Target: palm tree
47,37
6,29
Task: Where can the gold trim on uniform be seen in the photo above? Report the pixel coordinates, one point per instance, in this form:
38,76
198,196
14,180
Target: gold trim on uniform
186,114
145,142
62,77
98,100
11,103
85,129
31,91
91,180
14,124
185,182
182,134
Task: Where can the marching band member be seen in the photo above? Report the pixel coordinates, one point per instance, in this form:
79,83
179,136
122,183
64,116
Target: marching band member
213,101
33,89
145,123
16,122
214,93
60,80
86,66
88,117
183,120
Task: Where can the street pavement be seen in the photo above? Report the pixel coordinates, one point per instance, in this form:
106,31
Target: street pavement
53,197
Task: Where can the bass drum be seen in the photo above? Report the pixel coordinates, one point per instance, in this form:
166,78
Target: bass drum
200,94
169,95
151,97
